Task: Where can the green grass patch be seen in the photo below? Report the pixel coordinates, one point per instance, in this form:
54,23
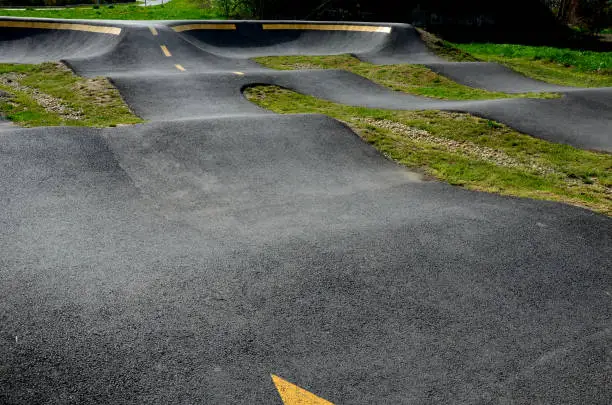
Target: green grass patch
555,65
49,94
466,151
173,10
584,61
413,79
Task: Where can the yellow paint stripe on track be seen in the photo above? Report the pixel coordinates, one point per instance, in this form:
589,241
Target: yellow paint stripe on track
179,67
61,26
165,50
291,394
238,73
153,31
190,27
327,27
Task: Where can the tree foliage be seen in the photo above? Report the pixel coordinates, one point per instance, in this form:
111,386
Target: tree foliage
588,15
256,9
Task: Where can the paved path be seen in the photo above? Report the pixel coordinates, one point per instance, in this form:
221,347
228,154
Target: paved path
187,259
150,3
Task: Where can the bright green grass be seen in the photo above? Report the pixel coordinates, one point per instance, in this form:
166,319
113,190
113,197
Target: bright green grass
413,79
585,61
554,65
467,151
98,101
173,10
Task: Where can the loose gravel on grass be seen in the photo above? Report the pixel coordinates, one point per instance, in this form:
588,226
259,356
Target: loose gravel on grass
49,103
470,149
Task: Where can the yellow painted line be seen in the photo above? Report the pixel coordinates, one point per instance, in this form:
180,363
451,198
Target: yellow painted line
291,394
179,67
61,26
153,31
190,27
238,73
327,27
165,50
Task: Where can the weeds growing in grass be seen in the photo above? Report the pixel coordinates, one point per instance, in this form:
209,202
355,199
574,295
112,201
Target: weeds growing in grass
466,151
582,61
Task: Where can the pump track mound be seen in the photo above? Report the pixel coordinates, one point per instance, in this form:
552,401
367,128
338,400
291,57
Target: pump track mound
188,259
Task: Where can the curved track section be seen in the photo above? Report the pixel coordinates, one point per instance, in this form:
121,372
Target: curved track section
493,77
36,41
579,118
138,54
250,39
186,259
221,49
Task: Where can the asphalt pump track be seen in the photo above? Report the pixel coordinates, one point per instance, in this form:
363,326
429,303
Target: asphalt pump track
188,259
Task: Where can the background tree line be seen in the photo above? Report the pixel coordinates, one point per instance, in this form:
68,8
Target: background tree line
589,15
452,18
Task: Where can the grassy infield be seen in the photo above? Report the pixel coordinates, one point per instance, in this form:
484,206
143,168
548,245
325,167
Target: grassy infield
50,94
458,148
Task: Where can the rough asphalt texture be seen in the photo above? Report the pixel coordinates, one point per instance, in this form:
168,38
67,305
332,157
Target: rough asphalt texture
184,260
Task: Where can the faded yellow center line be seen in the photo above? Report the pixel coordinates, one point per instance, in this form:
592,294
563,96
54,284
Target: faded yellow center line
179,67
189,27
238,73
153,31
61,26
165,51
327,27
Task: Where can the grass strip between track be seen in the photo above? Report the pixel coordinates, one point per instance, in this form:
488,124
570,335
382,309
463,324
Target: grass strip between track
413,79
49,94
466,151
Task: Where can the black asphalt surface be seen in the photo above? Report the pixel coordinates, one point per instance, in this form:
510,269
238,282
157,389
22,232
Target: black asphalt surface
184,260
493,77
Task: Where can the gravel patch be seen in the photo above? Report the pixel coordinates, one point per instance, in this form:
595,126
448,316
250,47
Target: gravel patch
482,153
